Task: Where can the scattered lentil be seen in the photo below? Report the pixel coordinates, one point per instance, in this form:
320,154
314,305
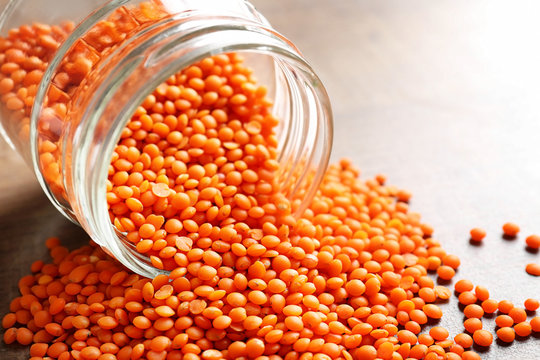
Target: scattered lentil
531,304
533,269
477,234
510,229
533,241
482,337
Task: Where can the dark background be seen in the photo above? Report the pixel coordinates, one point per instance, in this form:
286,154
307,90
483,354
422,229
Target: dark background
441,96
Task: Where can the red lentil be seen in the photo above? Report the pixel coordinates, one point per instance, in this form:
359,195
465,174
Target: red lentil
533,269
531,304
483,337
490,306
467,298
481,293
535,324
463,285
504,321
473,311
517,314
505,306
438,333
510,229
470,355
533,241
463,340
523,329
478,234
472,324
506,334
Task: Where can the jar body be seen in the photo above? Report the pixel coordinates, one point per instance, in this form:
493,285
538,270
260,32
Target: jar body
68,93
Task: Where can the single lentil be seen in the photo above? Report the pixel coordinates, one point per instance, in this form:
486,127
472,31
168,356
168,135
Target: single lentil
506,334
533,241
510,229
482,337
531,304
477,234
533,269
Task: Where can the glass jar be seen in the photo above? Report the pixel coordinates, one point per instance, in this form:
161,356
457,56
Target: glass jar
71,114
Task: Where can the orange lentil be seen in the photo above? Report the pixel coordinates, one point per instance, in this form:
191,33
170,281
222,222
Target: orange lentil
473,311
446,272
490,306
477,234
39,349
517,314
481,293
438,333
385,350
452,261
531,304
464,340
535,324
463,285
532,241
504,321
425,339
510,229
432,311
24,336
453,355
470,355
522,329
413,327
467,298
472,324
533,269
442,292
9,320
482,337
406,336
505,306
506,334
418,351
427,294
367,352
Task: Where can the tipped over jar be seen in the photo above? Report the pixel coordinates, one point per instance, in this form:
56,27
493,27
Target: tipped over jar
156,124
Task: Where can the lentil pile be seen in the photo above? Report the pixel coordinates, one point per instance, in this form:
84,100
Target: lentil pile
194,185
348,280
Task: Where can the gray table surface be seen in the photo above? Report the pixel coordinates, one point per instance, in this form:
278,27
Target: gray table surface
441,96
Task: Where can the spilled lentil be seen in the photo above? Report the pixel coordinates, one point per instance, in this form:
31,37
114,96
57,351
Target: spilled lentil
338,284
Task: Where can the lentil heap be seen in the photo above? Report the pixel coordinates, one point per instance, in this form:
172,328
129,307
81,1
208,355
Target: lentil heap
193,184
348,280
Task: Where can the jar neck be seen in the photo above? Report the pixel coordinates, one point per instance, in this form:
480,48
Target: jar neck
122,79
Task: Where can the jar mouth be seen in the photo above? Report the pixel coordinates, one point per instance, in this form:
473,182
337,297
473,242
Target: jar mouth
133,72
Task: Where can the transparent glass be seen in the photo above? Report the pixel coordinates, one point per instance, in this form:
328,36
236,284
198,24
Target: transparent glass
70,116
